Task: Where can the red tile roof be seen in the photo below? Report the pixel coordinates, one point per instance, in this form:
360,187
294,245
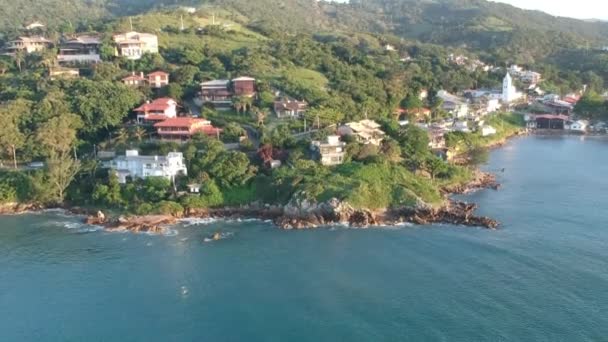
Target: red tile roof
181,122
161,104
133,78
158,73
193,125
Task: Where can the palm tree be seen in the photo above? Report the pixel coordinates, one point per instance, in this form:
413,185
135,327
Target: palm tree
3,67
138,133
238,103
19,57
122,136
260,116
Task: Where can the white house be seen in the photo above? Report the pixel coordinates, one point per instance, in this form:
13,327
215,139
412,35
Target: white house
135,166
366,131
331,151
133,45
487,130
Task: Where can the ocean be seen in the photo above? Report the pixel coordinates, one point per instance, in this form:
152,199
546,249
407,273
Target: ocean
543,276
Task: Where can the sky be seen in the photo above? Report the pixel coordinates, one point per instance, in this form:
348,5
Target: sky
581,9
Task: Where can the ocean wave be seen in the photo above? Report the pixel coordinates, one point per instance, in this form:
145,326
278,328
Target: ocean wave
82,227
189,222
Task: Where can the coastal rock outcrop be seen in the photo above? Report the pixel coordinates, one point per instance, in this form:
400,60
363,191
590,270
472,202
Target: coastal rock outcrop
338,212
138,224
18,208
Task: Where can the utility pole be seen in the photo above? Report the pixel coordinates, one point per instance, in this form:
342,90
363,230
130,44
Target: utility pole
131,23
182,21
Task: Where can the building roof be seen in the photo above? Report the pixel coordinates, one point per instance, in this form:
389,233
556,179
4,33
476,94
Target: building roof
243,78
133,36
215,83
163,103
34,39
134,77
182,122
158,73
552,117
289,104
85,39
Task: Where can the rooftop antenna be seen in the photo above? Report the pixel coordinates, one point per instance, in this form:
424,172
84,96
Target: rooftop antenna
131,23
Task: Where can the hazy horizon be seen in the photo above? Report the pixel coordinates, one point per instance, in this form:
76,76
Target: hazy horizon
585,9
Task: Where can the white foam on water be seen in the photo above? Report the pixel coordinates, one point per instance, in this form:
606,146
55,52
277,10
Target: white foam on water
189,222
82,227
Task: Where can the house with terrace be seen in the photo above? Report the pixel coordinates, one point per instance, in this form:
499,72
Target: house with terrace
156,111
184,128
219,93
28,45
81,49
287,107
365,131
155,80
132,165
133,45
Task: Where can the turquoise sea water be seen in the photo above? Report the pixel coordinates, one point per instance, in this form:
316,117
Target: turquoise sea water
542,277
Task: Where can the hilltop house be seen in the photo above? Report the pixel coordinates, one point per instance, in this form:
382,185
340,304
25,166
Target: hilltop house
290,108
157,110
219,93
244,86
183,128
133,45
28,44
135,80
331,151
158,79
80,49
135,166
366,131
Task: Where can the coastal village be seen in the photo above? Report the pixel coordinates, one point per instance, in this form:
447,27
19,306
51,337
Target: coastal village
236,109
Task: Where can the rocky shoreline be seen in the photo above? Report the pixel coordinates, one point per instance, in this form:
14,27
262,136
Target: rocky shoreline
301,214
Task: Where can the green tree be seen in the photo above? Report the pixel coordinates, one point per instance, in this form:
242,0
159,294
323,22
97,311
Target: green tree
103,104
11,136
58,137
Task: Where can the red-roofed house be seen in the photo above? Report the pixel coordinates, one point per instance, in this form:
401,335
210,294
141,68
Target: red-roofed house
158,79
134,80
157,110
183,128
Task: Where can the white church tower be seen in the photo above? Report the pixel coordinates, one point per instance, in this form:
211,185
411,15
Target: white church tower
509,93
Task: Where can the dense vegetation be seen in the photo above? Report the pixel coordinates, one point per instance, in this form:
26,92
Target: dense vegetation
331,55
